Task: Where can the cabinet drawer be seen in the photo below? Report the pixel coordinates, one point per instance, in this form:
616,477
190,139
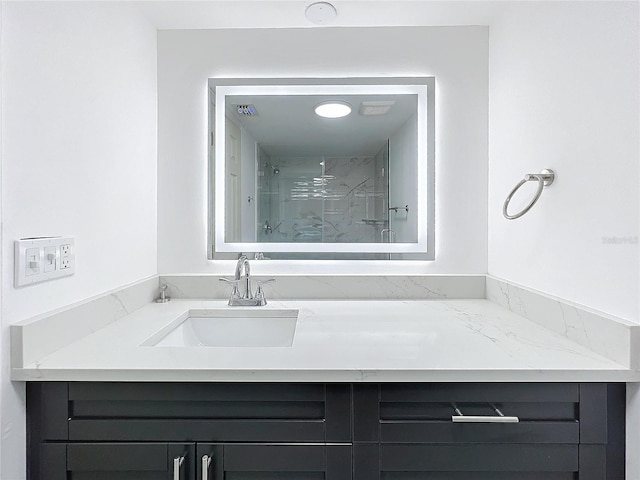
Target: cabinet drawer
425,413
208,412
480,392
159,429
175,400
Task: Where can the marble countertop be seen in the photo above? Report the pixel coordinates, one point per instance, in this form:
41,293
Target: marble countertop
338,341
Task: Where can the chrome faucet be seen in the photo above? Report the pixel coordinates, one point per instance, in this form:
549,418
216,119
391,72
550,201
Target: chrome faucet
245,297
243,265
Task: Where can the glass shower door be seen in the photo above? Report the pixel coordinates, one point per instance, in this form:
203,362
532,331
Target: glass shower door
290,199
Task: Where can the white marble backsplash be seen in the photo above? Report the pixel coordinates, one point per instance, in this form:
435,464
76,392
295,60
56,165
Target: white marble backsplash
38,338
609,336
353,287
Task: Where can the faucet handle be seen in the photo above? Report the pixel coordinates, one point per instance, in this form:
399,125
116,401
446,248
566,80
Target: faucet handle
235,293
260,293
233,283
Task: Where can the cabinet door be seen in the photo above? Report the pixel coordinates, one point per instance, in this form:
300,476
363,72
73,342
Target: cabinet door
273,461
466,462
117,461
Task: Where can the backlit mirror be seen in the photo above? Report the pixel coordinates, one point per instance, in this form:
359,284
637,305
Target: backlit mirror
322,168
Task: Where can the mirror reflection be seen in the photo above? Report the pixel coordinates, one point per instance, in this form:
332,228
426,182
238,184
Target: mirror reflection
319,179
293,174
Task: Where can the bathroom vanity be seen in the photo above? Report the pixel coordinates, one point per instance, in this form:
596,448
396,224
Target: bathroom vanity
336,431
431,388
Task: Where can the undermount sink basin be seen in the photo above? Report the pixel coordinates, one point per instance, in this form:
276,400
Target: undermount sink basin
229,328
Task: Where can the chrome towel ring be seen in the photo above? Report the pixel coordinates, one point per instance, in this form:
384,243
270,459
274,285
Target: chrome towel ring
544,179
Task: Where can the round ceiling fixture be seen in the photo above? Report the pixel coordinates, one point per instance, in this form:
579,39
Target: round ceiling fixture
321,13
333,109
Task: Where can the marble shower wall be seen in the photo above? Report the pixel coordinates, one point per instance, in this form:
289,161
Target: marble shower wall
323,199
353,208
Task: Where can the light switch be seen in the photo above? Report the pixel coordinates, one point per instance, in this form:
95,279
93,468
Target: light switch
32,261
50,259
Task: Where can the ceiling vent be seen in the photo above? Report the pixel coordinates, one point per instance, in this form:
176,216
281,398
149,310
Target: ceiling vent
376,108
246,110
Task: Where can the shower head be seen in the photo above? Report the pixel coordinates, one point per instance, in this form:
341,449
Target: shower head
274,168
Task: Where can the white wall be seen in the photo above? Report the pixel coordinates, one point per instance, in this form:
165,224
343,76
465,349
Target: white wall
456,56
2,349
564,94
79,143
403,187
249,169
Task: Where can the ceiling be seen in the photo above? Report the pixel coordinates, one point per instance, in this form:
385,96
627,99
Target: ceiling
219,14
286,125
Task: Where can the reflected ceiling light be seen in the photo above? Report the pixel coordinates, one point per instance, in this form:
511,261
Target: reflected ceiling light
333,109
321,13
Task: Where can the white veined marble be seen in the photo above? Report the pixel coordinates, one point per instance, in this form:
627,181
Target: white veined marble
36,337
611,337
378,287
388,340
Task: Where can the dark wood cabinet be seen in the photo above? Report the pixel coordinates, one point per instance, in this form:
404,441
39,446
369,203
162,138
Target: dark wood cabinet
564,431
118,431
268,431
294,461
155,461
469,461
117,461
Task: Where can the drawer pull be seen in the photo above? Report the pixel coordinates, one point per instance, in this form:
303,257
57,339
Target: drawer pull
177,463
206,463
460,417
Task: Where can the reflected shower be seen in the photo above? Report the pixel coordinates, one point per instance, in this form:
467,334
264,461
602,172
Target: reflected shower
275,168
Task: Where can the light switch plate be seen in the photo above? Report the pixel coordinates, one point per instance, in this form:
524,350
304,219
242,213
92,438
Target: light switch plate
50,260
43,258
32,261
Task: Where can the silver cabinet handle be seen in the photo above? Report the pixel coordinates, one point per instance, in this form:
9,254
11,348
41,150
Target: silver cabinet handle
484,419
459,417
177,463
206,464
